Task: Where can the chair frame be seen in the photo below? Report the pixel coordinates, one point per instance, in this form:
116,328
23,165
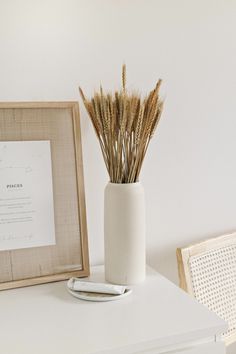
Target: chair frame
184,254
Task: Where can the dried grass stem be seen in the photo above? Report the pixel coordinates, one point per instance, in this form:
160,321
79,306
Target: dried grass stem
124,124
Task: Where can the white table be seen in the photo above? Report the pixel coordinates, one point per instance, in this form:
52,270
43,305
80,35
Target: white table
156,318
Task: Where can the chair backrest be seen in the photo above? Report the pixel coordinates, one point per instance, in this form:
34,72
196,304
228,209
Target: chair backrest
207,271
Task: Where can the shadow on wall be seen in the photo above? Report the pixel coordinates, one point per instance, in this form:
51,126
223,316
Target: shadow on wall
164,261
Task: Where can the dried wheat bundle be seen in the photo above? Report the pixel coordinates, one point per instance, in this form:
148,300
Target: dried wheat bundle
124,124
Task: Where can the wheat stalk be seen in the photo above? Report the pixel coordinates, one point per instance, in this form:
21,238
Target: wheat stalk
124,125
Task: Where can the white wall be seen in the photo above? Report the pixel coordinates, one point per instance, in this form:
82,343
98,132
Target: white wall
49,47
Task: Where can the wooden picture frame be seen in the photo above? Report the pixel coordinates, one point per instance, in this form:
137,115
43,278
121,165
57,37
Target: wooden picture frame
58,122
205,269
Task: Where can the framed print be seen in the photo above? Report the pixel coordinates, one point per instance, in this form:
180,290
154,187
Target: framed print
43,229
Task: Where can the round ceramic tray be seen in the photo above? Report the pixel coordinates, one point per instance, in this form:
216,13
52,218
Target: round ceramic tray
96,296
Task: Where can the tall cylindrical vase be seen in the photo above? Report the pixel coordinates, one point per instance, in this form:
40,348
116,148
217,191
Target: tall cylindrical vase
124,233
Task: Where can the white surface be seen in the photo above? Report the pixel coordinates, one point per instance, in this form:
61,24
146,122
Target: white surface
124,233
26,195
48,319
208,348
211,348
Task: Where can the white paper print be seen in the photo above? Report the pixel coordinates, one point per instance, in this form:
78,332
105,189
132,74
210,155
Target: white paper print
26,195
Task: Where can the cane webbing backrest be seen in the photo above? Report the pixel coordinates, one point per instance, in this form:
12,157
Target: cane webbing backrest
207,271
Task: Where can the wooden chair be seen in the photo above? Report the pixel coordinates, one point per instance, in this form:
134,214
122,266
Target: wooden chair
207,271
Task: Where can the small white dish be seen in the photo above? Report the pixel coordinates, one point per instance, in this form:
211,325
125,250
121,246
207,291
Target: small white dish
89,296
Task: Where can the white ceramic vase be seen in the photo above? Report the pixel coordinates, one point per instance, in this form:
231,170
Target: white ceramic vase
124,233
